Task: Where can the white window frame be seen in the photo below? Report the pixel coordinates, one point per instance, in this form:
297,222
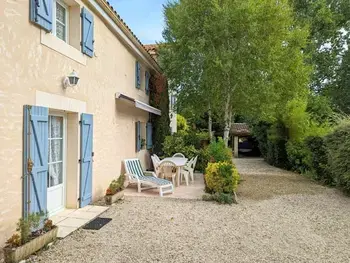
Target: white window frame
64,147
65,6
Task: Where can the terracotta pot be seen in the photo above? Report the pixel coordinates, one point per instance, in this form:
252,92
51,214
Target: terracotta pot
14,255
110,199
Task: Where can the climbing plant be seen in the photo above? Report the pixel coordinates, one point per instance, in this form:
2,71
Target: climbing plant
159,98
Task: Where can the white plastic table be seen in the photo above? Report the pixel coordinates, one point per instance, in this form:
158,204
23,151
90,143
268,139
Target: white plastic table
180,163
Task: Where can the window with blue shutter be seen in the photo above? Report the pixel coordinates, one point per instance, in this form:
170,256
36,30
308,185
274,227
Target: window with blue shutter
35,159
149,130
147,77
138,136
41,13
87,43
138,75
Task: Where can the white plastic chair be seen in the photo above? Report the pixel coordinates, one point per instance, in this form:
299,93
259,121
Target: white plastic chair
168,169
156,157
156,162
179,155
190,167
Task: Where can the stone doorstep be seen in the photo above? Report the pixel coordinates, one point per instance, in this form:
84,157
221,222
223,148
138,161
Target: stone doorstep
70,220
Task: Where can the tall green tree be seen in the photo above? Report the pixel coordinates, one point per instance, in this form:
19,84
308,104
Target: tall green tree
340,91
329,23
241,57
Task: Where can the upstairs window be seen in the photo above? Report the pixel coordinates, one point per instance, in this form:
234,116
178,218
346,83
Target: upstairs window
61,18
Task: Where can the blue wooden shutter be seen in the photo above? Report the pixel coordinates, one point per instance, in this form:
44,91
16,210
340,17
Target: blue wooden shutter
35,159
138,136
41,13
87,21
86,155
138,75
147,76
149,130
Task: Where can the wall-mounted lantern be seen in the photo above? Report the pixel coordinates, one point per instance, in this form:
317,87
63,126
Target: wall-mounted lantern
71,80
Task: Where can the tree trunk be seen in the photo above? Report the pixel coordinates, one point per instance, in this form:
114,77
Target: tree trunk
210,124
228,119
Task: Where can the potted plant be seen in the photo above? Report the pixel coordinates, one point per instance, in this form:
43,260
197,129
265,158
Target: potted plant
30,237
115,190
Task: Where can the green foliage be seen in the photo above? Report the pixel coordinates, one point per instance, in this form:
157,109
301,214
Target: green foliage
176,143
320,109
181,123
221,198
301,124
159,98
218,152
299,156
221,177
189,143
338,148
26,225
340,92
203,159
233,50
116,185
197,139
260,132
326,20
319,159
277,137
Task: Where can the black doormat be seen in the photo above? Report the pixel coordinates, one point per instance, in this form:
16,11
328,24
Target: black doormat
97,223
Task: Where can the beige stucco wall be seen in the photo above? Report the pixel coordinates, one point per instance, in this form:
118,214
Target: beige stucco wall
27,66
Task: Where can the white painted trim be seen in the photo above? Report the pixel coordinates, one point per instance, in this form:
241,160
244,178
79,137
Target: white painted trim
58,102
120,32
56,44
64,161
54,19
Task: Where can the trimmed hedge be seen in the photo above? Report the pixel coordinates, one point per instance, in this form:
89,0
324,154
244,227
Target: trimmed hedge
319,159
338,152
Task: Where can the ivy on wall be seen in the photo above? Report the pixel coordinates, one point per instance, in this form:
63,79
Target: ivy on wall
159,98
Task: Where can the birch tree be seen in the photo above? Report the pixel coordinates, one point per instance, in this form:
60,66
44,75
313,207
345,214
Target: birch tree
239,57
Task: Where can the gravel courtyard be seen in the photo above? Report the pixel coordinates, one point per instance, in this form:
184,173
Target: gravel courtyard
281,217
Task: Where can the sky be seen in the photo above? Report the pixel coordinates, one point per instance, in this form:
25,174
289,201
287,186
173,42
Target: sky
144,17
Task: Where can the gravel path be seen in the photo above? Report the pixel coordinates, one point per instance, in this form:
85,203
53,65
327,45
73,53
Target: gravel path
281,217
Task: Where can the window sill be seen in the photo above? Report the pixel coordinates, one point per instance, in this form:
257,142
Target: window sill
53,42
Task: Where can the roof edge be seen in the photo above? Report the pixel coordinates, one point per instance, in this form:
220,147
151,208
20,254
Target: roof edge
127,31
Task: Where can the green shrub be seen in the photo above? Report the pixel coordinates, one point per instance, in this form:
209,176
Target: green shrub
203,159
196,139
299,156
221,198
176,144
272,140
338,151
260,134
218,152
221,177
116,185
181,123
318,159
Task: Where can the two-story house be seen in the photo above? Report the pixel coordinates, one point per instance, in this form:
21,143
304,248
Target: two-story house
74,102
